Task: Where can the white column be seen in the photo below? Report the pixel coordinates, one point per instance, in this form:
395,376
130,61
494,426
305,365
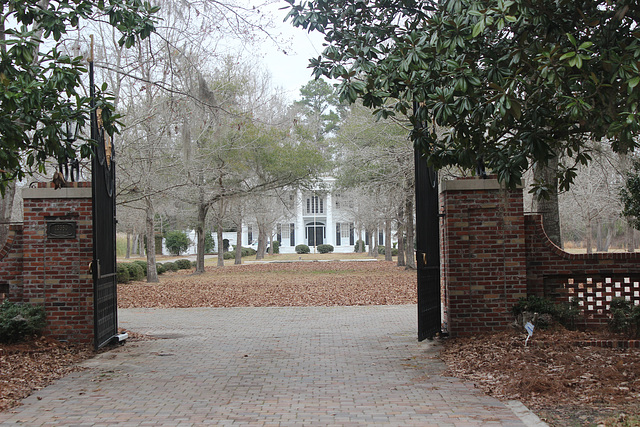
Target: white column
300,202
330,227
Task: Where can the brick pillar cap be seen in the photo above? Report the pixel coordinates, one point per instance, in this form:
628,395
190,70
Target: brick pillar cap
472,185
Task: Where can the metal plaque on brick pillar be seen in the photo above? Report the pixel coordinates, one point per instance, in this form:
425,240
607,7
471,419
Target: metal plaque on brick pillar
104,230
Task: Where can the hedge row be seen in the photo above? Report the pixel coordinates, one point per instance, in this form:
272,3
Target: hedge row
244,252
137,270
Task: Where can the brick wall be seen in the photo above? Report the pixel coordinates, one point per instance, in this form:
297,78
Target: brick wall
483,253
593,280
492,255
56,270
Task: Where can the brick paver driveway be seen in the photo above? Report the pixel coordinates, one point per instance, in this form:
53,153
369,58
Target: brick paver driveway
267,366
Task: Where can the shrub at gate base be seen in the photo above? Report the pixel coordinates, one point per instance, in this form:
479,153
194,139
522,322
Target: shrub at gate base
545,312
18,322
625,317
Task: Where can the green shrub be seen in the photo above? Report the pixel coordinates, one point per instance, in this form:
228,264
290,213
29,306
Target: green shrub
122,273
177,242
533,304
229,255
302,249
20,321
225,245
276,247
625,317
209,243
565,314
247,252
194,264
325,249
142,264
135,271
171,266
356,247
160,268
183,264
382,251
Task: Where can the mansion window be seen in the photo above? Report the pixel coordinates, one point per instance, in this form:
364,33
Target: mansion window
315,205
345,231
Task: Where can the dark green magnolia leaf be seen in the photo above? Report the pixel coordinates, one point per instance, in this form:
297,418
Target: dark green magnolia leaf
466,70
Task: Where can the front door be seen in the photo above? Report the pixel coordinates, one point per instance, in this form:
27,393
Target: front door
315,233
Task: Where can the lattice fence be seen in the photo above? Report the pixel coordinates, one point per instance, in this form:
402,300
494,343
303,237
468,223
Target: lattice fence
593,293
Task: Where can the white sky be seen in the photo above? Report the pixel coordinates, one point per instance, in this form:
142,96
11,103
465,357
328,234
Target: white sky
290,71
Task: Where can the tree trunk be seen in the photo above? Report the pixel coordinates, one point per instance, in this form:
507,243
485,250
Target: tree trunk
377,243
400,233
409,243
200,235
388,255
152,273
141,251
401,262
588,237
549,208
6,210
262,242
602,242
629,238
220,244
128,254
135,243
607,242
238,259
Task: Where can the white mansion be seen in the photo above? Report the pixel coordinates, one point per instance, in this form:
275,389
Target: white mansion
319,216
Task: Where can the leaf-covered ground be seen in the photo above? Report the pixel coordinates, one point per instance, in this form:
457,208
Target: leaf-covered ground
277,284
564,383
26,367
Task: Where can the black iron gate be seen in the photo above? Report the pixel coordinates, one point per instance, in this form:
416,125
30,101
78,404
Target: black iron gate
104,230
427,248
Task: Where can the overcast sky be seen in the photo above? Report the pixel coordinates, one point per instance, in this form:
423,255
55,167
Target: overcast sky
290,71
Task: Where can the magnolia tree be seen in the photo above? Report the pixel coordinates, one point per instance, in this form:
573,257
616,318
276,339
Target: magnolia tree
515,83
41,84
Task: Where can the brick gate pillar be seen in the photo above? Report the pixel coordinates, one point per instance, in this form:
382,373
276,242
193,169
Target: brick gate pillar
58,250
483,253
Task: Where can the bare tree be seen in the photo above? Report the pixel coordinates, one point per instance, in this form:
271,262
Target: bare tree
593,201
